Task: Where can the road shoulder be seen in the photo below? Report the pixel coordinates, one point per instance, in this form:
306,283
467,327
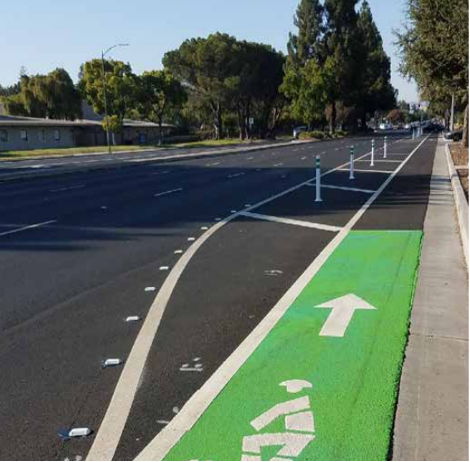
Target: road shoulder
432,415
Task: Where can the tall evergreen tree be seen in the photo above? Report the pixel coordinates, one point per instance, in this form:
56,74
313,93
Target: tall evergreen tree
342,47
305,44
375,90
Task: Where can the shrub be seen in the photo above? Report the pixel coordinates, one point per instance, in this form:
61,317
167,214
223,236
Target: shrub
313,135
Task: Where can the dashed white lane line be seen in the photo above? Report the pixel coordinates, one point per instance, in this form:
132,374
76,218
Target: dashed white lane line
161,173
24,228
278,164
68,188
164,268
164,193
250,158
213,164
288,221
112,425
302,158
235,175
201,399
191,239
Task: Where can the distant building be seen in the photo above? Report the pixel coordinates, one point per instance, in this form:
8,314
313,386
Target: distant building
20,133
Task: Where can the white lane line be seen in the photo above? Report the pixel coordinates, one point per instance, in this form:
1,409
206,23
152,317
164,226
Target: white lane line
24,228
382,160
161,173
167,192
278,164
302,158
250,158
212,164
236,174
365,171
178,252
288,221
200,401
68,188
345,188
106,440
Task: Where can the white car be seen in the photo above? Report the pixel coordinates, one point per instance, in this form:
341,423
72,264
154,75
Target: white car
385,126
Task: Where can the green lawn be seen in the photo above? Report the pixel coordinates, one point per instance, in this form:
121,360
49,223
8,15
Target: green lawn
22,155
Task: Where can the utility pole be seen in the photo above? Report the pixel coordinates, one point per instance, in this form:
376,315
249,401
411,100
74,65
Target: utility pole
106,116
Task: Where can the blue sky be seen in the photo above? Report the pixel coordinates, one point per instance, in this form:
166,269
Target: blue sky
45,34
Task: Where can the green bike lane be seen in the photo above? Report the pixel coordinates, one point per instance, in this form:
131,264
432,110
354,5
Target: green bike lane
322,385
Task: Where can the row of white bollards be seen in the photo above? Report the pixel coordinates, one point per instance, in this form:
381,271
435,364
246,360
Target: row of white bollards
318,197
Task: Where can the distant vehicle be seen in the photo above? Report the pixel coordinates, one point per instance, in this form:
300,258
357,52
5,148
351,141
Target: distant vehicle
298,131
407,127
433,127
385,126
456,135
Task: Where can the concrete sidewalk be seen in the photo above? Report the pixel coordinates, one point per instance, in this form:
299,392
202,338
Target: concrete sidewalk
432,415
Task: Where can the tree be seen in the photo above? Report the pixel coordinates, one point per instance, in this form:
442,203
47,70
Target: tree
254,89
396,116
376,91
342,50
53,96
121,87
434,50
206,66
306,44
160,92
307,88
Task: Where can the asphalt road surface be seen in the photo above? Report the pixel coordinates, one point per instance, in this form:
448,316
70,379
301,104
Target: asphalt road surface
81,252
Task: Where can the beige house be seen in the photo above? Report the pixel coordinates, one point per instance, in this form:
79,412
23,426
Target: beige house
20,133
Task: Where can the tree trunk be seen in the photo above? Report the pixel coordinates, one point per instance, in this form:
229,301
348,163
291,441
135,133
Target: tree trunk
333,118
160,134
465,129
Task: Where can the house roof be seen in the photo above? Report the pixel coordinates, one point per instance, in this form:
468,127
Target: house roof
17,121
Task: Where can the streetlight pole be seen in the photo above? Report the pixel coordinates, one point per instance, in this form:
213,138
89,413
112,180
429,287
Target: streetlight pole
103,54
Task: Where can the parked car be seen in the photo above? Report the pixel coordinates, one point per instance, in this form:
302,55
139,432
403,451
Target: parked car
456,135
298,131
407,127
385,126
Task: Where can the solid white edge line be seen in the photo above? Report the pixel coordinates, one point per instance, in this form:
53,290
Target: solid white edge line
159,447
24,228
111,428
289,221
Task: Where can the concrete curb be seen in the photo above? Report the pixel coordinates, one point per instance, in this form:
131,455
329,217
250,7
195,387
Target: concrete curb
172,158
461,204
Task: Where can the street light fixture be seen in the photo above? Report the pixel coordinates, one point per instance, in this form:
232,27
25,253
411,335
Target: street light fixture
103,54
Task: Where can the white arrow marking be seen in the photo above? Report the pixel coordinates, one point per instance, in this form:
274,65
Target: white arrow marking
342,311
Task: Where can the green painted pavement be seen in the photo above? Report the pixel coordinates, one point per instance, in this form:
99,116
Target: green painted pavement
354,378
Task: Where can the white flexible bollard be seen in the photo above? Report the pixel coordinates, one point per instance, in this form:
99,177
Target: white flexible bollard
385,147
318,180
351,163
372,157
